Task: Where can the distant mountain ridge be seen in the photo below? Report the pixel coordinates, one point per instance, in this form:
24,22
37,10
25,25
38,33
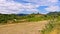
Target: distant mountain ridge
22,14
54,13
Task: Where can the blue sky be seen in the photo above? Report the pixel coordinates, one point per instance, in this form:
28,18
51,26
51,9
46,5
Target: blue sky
29,6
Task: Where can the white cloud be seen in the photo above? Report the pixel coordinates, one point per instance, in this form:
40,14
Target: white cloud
53,1
52,4
8,7
43,2
53,8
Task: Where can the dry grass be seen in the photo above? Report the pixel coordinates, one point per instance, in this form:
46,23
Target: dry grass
52,28
55,31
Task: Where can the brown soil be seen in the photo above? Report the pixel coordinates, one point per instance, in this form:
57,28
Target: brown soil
23,28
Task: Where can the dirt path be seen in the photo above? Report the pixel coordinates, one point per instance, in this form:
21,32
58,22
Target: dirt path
23,28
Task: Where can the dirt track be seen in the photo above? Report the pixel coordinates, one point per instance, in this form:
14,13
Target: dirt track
23,28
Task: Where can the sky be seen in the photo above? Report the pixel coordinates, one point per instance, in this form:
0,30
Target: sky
29,6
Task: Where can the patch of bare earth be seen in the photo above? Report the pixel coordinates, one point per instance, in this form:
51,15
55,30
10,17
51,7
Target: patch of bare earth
23,28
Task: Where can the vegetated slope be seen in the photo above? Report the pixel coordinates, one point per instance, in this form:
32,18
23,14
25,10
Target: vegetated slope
15,18
54,26
23,28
